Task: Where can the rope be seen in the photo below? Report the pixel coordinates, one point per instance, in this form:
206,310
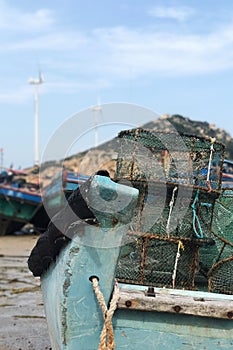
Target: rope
196,219
107,334
171,204
212,141
180,246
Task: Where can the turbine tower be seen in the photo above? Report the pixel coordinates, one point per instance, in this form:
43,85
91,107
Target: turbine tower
96,110
36,83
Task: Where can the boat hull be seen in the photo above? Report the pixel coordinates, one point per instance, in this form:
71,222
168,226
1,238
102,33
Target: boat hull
75,319
162,331
60,188
16,208
73,314
9,226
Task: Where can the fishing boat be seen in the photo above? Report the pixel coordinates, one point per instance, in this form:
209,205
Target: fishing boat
134,282
227,176
19,201
61,186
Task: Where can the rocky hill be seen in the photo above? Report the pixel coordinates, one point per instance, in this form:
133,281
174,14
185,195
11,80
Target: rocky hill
192,127
104,156
180,123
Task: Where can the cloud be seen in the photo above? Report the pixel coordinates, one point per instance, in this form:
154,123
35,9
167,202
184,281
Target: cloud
52,41
175,13
18,95
149,52
75,60
106,57
14,19
72,87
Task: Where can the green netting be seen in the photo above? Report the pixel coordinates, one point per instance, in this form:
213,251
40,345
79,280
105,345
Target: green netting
221,277
221,272
221,231
211,255
173,210
223,216
179,180
170,157
152,261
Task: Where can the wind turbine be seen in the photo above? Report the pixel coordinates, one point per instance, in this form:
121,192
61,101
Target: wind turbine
36,83
96,110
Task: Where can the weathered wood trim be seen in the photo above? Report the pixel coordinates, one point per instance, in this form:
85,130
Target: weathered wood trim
182,304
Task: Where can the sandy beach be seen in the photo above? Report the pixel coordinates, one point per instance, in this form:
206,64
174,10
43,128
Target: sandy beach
22,318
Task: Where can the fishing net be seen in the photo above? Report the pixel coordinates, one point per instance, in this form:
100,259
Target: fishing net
170,157
222,225
175,210
158,262
179,180
221,277
221,273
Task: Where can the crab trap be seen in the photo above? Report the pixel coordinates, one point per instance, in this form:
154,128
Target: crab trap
179,180
152,261
220,275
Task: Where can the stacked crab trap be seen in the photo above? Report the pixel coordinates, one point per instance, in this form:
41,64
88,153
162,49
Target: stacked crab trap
170,242
221,272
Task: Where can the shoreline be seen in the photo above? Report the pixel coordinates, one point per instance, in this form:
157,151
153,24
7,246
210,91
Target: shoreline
22,319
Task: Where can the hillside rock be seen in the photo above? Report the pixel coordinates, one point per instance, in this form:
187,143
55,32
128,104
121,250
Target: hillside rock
104,156
192,127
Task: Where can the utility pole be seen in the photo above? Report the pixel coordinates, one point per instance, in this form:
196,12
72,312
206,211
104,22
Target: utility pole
36,83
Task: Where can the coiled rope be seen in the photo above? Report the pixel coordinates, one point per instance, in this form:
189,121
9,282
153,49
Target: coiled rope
107,335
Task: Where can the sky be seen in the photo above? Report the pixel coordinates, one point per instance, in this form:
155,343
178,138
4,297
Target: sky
168,56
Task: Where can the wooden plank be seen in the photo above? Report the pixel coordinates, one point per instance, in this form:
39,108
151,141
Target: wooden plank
189,305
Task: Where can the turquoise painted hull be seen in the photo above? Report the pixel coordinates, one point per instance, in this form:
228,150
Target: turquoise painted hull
73,316
60,188
163,331
75,319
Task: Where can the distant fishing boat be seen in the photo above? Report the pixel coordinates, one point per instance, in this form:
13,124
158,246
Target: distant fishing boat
60,188
135,282
19,201
227,175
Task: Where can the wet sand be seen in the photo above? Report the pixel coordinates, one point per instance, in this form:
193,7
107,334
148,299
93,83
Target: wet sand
22,318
